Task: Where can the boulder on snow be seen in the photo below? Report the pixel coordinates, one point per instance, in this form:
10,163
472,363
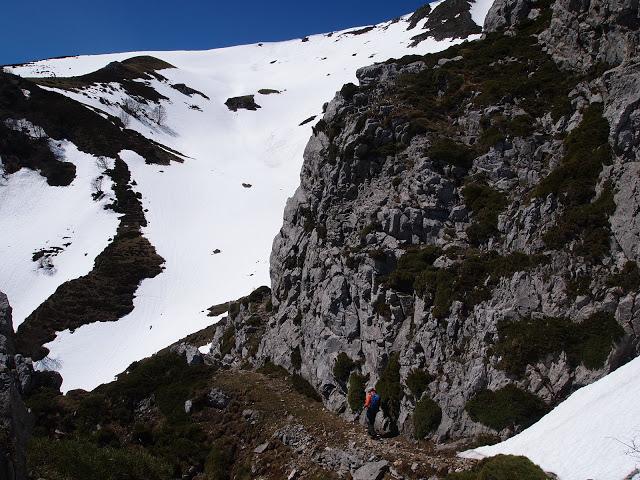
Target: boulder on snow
245,102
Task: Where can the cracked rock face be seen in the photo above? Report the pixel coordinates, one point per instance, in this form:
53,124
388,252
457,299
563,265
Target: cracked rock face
582,34
15,379
373,190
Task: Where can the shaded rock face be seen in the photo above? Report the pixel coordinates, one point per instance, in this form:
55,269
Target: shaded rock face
380,182
16,379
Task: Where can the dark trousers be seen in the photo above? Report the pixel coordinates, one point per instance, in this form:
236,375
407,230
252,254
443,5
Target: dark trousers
371,421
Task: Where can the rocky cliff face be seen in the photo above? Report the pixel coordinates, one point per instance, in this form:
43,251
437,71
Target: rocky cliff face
15,378
465,234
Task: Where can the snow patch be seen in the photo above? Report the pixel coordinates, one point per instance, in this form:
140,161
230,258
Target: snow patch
479,10
36,216
585,436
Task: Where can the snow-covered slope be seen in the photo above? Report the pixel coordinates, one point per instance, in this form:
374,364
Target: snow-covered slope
589,435
64,221
196,207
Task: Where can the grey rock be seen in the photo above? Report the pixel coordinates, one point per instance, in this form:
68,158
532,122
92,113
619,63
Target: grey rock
506,13
250,415
190,353
261,448
16,423
216,398
371,471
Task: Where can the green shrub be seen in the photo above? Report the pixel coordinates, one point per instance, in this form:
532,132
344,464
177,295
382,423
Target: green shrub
348,90
497,128
598,334
628,279
417,381
574,182
296,358
106,437
490,137
220,461
412,263
578,285
343,367
486,204
180,444
380,307
370,228
234,309
389,387
228,340
469,281
272,370
378,254
82,460
502,467
426,417
166,375
498,69
528,341
450,152
301,385
507,407
258,294
356,394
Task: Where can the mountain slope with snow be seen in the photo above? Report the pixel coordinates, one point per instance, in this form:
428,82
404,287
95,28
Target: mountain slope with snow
213,217
588,435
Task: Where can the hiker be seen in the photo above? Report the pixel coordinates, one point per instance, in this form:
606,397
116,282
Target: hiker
372,404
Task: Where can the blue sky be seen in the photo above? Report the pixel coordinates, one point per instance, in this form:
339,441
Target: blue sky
38,29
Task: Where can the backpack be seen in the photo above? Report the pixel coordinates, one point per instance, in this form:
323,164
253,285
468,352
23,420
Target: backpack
375,402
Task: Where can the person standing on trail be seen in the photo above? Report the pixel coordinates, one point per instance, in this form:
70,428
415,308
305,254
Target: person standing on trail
372,404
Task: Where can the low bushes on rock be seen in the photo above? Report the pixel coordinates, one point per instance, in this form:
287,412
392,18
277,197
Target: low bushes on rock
526,342
426,417
417,381
343,367
507,407
77,460
502,467
486,204
296,358
389,387
301,385
356,391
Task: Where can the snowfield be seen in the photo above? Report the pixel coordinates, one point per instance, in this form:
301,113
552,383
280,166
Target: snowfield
36,216
200,206
584,437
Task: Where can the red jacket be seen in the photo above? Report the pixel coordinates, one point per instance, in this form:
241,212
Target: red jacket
367,401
